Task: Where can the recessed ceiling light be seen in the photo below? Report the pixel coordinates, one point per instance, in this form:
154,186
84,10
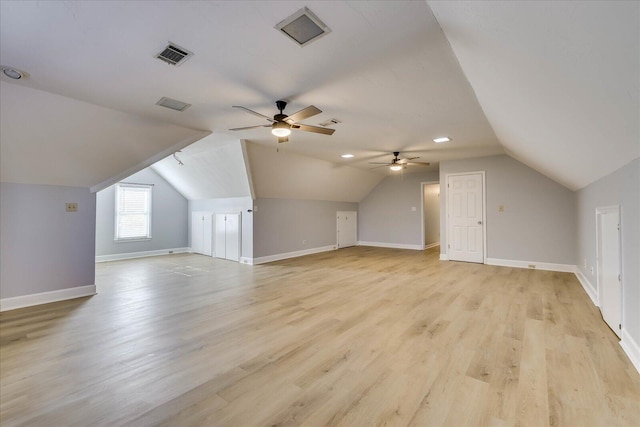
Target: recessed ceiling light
347,156
13,73
441,139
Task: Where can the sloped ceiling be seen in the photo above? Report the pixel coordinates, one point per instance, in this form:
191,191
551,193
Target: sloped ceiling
283,174
213,167
386,70
51,139
559,81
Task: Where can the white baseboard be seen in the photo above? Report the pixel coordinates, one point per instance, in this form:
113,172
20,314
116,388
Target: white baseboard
631,348
588,288
278,257
432,245
390,245
142,254
245,260
7,304
547,266
444,257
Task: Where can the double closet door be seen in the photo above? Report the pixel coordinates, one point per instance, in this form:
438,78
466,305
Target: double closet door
227,236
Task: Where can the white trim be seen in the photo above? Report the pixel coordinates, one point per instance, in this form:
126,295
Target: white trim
7,304
432,245
390,245
588,287
287,255
565,268
141,254
631,348
484,210
246,260
444,257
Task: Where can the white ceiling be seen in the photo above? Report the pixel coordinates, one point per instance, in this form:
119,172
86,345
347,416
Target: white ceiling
386,70
212,168
559,81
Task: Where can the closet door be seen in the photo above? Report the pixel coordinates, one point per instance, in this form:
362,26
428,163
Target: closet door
220,236
227,241
201,233
232,237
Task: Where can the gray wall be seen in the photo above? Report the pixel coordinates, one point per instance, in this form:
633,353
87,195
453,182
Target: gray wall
44,248
231,204
168,218
281,225
620,188
538,222
431,214
385,214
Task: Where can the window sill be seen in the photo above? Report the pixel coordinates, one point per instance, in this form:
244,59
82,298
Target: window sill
135,239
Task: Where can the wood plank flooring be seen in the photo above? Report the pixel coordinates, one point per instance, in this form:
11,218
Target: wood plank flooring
355,337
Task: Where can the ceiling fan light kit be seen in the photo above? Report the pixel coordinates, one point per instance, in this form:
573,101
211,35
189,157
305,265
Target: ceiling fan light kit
281,129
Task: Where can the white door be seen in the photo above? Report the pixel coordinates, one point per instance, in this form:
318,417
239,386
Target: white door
347,227
609,274
232,237
220,236
465,217
227,236
201,234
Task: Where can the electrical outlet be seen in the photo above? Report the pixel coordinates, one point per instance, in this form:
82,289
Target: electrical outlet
532,266
304,242
72,207
413,208
500,208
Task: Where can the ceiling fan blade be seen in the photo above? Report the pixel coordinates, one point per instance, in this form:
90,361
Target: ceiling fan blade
282,139
255,113
418,163
252,127
380,163
314,129
303,114
381,166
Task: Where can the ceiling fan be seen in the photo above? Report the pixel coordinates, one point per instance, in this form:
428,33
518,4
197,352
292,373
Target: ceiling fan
281,124
399,164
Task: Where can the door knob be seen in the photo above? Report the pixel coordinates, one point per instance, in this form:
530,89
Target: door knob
479,222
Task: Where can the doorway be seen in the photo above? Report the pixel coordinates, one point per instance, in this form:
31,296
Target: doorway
609,266
430,215
465,217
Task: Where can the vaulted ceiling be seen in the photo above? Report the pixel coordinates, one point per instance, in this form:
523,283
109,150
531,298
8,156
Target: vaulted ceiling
558,82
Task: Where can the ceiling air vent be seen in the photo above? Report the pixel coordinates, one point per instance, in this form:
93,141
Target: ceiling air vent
174,104
174,54
303,27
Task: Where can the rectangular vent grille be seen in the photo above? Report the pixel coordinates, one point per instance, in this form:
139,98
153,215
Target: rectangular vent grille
174,104
174,55
303,27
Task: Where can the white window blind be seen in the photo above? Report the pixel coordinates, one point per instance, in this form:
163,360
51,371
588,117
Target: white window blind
133,211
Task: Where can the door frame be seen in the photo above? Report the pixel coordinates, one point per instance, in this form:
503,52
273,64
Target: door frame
422,184
599,285
484,211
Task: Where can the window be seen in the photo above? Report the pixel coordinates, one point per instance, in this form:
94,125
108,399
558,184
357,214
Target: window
133,211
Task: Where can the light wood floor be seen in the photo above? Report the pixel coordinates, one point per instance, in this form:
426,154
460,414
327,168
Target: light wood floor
356,337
